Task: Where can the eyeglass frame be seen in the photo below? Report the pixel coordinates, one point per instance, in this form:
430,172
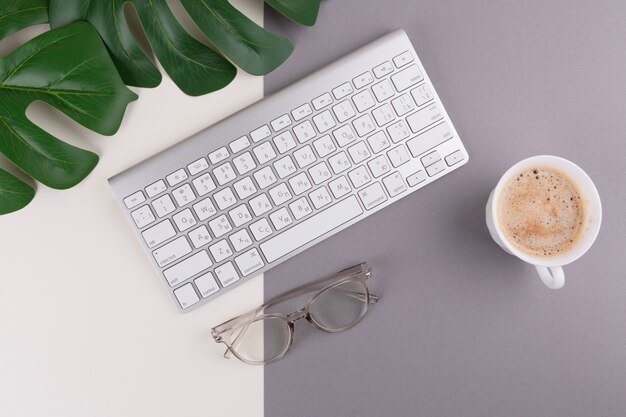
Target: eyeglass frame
359,273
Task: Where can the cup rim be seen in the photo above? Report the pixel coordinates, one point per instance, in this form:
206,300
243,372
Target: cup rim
578,250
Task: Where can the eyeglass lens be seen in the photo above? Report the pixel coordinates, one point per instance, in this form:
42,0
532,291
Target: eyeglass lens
262,340
339,306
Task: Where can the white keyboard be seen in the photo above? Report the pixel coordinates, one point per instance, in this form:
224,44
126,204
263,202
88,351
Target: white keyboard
287,172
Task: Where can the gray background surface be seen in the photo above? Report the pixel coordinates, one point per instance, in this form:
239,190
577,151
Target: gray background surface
463,329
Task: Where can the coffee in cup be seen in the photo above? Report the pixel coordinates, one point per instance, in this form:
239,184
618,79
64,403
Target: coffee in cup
541,212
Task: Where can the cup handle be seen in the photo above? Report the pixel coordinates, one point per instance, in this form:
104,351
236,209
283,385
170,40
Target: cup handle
552,276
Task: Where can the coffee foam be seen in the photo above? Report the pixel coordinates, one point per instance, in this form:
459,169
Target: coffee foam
541,212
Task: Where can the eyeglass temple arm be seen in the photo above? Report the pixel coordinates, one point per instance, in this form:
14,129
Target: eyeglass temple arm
319,284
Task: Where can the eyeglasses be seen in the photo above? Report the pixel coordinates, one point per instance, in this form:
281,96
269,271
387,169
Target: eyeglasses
339,303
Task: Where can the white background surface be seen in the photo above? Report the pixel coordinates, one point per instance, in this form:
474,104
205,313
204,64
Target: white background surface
86,328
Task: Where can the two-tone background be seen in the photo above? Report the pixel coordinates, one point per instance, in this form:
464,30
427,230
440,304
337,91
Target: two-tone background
461,330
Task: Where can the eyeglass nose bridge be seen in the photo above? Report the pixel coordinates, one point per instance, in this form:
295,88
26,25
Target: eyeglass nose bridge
300,314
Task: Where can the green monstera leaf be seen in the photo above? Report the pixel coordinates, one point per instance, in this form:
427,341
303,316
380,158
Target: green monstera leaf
69,69
196,68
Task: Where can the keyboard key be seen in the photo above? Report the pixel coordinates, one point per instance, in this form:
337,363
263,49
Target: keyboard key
379,166
363,100
188,268
304,131
398,131
344,135
324,121
280,122
284,167
225,198
240,240
324,146
383,90
429,139
183,195
260,133
186,296
383,69
403,59
198,166
363,80
143,216
261,229
383,114
403,104
364,125
422,94
302,112
239,145
260,204
416,178
204,209
378,141
322,101
249,262
343,111
224,173
394,184
425,117
240,215
265,177
176,177
163,205
372,196
280,194
300,183
244,188
227,274
359,152
184,220
156,188
221,250
199,236
310,229
320,197
134,200
436,168
398,156
264,152
300,208
206,285
320,173
219,155
171,252
340,187
406,78
158,233
203,184
359,176
339,162
281,218
284,142
454,158
430,159
304,156
244,163
343,90
220,226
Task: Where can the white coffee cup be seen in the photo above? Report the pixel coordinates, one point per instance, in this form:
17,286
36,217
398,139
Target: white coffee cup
550,269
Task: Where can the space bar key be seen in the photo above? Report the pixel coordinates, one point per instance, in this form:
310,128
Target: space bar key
310,229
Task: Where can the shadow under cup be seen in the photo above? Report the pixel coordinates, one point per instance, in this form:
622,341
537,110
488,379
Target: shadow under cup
589,198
